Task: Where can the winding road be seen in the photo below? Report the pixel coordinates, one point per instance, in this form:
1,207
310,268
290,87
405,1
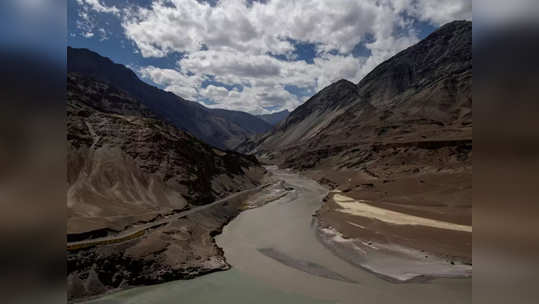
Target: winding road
139,230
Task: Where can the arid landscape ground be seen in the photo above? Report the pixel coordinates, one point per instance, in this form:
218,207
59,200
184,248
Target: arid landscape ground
375,175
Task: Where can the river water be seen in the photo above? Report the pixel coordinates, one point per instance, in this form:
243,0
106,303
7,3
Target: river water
277,258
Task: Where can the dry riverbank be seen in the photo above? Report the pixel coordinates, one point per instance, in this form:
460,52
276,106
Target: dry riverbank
179,247
391,243
276,257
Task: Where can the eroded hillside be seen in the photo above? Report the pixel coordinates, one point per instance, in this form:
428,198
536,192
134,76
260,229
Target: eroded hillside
132,181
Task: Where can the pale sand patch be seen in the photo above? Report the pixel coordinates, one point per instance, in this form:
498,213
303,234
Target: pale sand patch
358,208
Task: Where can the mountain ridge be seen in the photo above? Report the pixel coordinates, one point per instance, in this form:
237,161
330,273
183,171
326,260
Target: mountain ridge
218,127
404,87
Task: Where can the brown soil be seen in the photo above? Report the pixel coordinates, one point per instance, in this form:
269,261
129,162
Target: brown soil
444,197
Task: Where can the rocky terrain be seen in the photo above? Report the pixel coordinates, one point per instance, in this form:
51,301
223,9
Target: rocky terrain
217,127
127,168
182,248
400,140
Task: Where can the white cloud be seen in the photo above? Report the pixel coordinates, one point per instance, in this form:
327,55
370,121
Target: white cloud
103,34
262,28
233,99
174,81
86,22
439,11
214,92
98,7
238,44
235,64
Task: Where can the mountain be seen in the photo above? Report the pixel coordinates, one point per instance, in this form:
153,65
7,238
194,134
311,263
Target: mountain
274,118
400,138
221,128
127,169
422,92
110,133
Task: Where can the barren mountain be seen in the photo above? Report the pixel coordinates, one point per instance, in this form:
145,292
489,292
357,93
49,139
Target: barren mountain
400,139
220,128
116,143
127,169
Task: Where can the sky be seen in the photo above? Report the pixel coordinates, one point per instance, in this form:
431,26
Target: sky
257,56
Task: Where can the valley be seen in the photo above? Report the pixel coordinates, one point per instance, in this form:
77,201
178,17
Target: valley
399,140
277,256
364,191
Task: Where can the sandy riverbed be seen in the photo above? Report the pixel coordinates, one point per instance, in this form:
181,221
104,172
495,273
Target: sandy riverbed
361,208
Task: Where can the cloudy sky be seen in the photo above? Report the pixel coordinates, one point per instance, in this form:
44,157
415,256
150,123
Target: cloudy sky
258,56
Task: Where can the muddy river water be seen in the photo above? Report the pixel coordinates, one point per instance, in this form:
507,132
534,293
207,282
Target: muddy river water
276,257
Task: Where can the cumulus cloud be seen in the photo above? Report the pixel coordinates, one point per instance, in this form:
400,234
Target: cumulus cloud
235,64
187,25
174,81
247,50
276,98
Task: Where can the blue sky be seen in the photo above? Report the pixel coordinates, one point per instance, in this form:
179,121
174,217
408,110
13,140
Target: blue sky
254,56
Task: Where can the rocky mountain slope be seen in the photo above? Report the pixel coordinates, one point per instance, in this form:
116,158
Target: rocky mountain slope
109,131
401,138
220,128
127,168
422,91
274,118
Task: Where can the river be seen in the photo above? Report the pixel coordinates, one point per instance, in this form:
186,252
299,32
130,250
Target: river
277,258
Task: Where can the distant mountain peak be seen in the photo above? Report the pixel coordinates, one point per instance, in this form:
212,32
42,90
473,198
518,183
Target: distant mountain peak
274,118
